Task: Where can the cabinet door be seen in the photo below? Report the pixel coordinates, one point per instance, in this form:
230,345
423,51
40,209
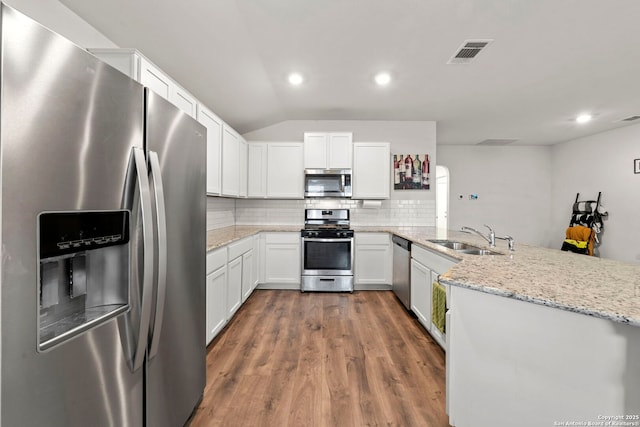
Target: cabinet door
282,263
373,260
234,286
340,150
285,171
183,100
154,79
255,265
125,60
230,162
371,170
216,302
242,169
247,275
257,170
421,293
282,258
315,150
214,148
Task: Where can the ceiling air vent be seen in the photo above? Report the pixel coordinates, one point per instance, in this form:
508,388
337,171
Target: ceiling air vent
468,51
630,119
496,142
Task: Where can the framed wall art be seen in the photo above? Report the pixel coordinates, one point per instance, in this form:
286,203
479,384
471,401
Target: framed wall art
411,172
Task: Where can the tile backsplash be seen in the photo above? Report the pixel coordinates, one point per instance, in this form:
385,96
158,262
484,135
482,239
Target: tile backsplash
222,212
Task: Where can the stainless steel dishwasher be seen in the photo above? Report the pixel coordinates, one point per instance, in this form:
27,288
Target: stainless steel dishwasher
402,270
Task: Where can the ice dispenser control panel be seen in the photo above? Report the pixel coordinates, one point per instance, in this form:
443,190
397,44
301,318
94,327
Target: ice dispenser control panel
64,233
84,272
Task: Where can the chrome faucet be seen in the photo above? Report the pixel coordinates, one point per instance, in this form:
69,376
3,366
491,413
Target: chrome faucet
491,238
510,240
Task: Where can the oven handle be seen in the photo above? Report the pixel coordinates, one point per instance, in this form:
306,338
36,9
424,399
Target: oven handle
330,240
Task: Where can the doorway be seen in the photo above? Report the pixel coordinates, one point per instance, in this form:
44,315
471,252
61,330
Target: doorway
442,197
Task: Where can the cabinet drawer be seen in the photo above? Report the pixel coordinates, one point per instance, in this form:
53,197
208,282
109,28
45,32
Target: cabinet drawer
282,238
372,239
434,261
238,248
216,259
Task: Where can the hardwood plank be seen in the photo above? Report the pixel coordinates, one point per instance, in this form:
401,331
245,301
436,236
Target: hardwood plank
323,359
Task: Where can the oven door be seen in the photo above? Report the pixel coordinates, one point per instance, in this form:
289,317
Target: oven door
327,256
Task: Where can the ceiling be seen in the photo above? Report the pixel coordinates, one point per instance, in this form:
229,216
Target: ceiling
550,60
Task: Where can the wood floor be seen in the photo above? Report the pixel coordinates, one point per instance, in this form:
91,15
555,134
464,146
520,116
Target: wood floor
323,359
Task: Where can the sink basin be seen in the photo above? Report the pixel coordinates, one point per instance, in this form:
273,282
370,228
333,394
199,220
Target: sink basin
464,248
478,251
456,246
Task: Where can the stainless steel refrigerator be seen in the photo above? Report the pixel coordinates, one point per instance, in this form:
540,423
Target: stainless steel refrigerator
102,230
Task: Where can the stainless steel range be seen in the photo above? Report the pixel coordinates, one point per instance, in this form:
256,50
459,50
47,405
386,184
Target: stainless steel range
327,251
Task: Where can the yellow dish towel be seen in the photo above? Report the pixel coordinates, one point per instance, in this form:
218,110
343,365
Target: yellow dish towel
438,305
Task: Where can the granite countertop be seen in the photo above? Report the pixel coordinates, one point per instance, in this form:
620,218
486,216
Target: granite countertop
223,236
593,286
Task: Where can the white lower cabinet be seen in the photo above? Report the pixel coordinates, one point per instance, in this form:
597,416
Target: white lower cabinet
426,266
229,284
280,268
255,266
247,274
421,293
216,299
373,261
234,290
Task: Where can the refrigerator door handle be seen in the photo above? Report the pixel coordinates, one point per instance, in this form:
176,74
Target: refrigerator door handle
147,277
161,225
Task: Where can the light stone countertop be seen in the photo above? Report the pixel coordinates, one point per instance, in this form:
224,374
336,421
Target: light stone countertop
223,236
592,286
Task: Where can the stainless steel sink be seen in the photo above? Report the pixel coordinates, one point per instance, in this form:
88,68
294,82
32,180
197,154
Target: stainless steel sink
478,251
456,246
464,248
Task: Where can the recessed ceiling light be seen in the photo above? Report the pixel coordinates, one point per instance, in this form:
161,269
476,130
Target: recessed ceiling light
295,79
383,78
583,118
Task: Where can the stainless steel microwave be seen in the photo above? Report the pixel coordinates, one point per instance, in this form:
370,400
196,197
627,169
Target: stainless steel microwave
327,183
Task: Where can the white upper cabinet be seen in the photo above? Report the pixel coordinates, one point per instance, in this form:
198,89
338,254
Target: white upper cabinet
183,100
315,150
132,63
257,170
214,148
340,149
371,176
230,162
275,170
285,174
327,150
242,168
151,77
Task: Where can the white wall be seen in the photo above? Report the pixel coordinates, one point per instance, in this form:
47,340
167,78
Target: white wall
57,17
602,162
513,185
406,137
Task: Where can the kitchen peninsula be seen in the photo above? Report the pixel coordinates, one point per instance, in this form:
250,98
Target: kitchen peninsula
560,329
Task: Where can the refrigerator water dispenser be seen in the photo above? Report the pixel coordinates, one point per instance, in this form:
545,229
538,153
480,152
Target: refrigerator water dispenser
83,274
